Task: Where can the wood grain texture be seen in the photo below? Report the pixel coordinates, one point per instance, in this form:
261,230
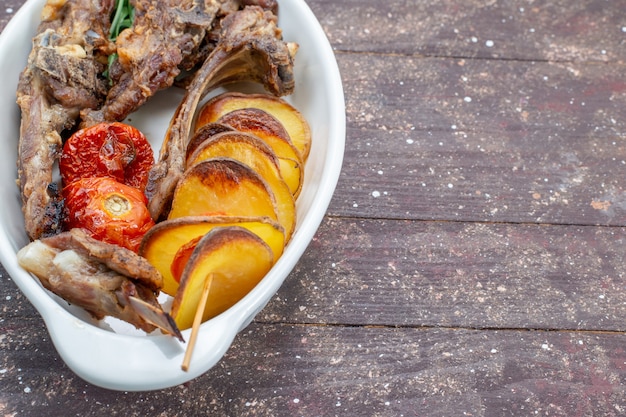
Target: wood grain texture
458,275
471,262
527,30
478,140
336,371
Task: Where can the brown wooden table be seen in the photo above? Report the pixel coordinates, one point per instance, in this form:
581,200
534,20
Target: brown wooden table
472,261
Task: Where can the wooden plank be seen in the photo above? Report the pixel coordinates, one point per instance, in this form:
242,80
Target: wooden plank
380,272
478,140
349,371
557,30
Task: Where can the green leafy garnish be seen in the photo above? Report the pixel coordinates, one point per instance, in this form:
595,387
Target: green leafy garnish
123,16
122,19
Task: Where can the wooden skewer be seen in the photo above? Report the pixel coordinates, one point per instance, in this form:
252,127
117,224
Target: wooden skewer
197,320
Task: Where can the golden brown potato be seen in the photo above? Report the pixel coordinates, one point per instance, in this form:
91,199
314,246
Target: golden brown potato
292,120
222,186
265,126
218,256
161,245
204,133
256,154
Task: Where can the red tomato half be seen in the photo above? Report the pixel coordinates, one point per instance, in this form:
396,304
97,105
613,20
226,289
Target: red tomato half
182,257
111,211
114,150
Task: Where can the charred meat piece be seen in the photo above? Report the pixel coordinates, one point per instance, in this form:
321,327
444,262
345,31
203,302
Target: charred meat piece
149,53
75,267
122,261
167,37
61,77
250,48
226,7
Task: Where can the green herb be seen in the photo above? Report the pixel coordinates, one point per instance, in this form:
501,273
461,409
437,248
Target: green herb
122,19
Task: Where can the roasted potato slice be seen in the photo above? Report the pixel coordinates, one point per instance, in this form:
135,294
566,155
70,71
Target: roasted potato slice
256,154
292,120
222,186
265,126
162,243
205,132
234,259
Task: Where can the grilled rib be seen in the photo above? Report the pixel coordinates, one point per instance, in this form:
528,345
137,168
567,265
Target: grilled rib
104,279
250,48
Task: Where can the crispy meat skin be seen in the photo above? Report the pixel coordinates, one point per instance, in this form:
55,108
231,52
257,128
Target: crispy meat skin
250,48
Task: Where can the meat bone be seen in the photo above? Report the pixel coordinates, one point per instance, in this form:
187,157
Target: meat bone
103,279
250,48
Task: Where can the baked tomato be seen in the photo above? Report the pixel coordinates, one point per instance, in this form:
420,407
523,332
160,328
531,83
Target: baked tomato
182,257
109,210
108,149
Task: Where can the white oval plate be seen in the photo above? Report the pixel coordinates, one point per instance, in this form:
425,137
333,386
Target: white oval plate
108,353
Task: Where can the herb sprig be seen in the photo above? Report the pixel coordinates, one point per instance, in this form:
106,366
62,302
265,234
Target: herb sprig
122,19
